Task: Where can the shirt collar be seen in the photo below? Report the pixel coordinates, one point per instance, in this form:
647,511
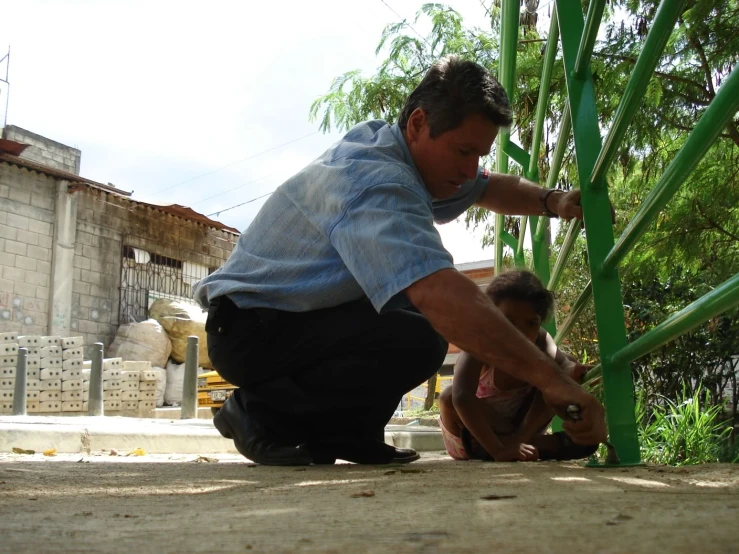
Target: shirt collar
400,139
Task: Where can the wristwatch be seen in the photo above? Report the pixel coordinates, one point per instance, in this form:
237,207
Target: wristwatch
543,199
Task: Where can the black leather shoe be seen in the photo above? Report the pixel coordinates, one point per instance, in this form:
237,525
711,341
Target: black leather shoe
233,423
359,451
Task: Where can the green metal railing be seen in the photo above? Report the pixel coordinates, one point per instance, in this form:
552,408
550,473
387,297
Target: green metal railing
577,35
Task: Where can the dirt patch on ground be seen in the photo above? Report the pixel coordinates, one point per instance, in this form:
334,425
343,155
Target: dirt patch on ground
222,504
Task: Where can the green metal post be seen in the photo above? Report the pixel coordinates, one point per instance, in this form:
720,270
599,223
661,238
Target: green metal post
720,112
575,313
721,299
572,233
659,33
587,41
609,313
507,76
558,156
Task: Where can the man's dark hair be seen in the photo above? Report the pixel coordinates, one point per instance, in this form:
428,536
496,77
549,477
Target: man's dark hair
453,89
523,286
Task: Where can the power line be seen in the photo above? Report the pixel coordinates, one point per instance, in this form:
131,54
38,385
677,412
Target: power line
231,190
219,212
404,20
237,162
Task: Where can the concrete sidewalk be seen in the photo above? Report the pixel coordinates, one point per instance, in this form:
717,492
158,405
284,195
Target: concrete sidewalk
155,436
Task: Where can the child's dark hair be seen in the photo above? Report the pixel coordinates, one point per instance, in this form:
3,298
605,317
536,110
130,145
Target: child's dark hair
524,286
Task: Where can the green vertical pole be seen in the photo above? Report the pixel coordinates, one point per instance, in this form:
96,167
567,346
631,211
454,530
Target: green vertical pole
507,77
609,312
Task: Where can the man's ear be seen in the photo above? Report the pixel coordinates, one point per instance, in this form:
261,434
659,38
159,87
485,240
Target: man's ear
415,125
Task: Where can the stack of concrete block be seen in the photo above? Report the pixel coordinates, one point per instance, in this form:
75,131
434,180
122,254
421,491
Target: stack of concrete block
8,361
147,389
48,356
130,379
111,384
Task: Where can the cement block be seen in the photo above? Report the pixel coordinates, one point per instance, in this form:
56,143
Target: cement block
147,405
136,366
50,373
130,405
148,385
112,394
51,341
112,363
8,360
130,385
52,384
50,406
72,395
32,351
73,384
69,374
52,351
7,384
148,376
130,376
129,395
10,336
6,395
148,395
9,349
87,364
47,363
32,407
85,385
33,373
85,406
32,395
33,363
33,384
29,340
72,342
85,374
112,405
72,364
6,407
73,353
7,372
72,406
47,395
112,385
111,375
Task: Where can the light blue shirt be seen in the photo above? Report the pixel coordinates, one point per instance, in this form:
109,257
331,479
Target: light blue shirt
356,222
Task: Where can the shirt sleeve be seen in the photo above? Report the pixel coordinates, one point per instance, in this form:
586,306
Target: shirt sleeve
471,191
387,240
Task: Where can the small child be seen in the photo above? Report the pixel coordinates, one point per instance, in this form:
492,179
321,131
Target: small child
489,414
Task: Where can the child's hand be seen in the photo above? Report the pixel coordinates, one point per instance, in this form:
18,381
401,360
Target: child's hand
517,452
577,371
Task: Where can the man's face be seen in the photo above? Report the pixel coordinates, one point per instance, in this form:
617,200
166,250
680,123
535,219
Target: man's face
453,157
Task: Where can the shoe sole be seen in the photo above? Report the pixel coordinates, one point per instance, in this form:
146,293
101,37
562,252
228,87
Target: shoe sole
224,428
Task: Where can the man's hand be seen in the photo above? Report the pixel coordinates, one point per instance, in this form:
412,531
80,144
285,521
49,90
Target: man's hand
517,452
591,428
567,205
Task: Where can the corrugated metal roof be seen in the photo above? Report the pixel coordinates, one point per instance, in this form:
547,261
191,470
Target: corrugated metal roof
172,209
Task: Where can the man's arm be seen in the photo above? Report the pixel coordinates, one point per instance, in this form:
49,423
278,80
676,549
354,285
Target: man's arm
465,316
514,195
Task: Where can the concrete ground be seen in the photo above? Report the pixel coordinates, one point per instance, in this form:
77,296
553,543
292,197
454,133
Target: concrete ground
221,503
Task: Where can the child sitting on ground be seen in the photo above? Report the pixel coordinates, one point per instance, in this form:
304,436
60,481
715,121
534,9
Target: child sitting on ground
489,414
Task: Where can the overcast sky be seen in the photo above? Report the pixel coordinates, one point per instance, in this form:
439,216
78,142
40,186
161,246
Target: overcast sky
177,101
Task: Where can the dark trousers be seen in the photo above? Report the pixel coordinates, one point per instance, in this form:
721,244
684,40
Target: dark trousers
324,373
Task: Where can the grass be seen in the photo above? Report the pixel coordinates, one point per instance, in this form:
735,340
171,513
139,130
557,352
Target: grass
684,432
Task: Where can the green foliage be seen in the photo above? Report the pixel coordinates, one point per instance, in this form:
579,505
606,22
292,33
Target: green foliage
683,432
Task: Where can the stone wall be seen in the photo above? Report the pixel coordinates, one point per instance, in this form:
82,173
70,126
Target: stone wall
45,151
26,228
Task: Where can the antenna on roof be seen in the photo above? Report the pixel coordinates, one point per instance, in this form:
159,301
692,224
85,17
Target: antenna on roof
6,59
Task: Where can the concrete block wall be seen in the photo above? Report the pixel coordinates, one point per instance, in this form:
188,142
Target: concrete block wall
105,223
26,232
45,151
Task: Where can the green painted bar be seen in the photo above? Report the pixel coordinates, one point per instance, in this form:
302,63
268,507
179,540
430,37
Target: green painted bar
659,34
543,101
576,311
721,299
517,154
618,386
573,232
722,109
509,240
593,374
587,42
507,76
522,235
